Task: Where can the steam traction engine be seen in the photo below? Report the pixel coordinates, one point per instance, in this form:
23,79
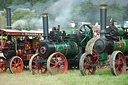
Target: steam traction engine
17,47
58,49
113,41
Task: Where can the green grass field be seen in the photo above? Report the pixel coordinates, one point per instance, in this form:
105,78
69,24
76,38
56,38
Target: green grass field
71,77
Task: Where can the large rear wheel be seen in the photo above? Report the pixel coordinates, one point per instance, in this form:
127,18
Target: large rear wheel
85,63
118,63
57,63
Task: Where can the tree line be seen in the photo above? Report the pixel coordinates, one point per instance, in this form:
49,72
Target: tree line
87,11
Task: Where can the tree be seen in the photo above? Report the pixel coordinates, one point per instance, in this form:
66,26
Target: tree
2,22
23,14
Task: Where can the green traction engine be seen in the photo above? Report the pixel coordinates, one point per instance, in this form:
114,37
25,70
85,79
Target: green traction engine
112,42
59,50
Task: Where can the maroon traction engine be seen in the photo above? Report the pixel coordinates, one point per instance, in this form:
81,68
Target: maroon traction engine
17,47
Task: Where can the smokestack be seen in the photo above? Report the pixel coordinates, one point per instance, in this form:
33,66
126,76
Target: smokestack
8,15
103,14
45,25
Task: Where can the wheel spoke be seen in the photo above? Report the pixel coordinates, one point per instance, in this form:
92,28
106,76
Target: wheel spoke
54,59
14,61
35,69
58,70
52,63
34,65
117,68
53,67
59,59
54,70
82,40
56,56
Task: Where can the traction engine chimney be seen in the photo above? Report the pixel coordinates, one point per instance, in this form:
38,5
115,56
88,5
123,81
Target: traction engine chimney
8,15
103,14
45,25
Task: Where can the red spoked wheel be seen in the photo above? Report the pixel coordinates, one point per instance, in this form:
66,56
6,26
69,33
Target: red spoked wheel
3,66
57,63
107,61
85,63
95,55
118,63
35,67
15,65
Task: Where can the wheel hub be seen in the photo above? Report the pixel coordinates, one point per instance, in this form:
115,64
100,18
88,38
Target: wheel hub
120,64
59,64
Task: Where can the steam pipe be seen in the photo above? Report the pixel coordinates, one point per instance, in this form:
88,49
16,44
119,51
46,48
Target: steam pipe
45,25
103,14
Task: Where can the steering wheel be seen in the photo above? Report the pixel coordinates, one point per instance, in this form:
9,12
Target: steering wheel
84,34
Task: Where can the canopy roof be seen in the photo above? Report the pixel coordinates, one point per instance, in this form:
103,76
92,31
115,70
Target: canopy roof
21,32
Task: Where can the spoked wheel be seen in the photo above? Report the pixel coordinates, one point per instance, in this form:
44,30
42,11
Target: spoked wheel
107,61
84,34
3,66
16,65
85,63
35,67
57,63
118,63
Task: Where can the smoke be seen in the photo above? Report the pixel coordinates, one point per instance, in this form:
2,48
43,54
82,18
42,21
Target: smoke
63,12
19,23
63,9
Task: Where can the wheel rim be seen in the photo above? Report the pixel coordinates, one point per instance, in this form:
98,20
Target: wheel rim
36,67
118,63
57,63
16,65
3,67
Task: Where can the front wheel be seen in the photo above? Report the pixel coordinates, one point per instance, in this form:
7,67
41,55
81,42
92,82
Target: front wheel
15,65
35,67
3,66
57,63
85,63
118,63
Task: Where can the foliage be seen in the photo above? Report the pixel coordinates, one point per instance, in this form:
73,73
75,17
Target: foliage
2,22
23,14
86,11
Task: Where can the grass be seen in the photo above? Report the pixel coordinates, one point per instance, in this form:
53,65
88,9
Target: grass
71,77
